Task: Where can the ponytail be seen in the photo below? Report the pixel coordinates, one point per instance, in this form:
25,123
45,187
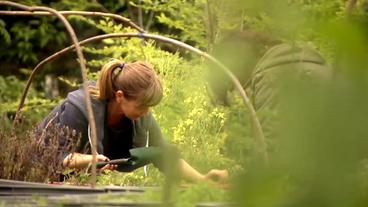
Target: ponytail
105,82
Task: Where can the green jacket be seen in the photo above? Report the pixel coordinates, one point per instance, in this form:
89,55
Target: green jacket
301,62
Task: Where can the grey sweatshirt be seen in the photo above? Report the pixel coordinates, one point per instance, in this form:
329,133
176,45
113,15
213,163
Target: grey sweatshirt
72,112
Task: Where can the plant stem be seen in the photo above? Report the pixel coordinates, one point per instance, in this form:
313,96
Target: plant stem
150,17
140,14
210,24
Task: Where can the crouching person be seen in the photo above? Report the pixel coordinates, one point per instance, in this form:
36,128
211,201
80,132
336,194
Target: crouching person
121,101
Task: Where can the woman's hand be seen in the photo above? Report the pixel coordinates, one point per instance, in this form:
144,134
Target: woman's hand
102,158
77,160
221,176
192,175
109,167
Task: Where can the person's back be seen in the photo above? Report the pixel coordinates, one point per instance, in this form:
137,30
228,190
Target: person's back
301,62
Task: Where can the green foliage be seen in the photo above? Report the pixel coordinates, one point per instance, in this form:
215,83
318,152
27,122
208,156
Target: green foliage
192,195
8,83
26,37
29,2
238,143
80,5
289,21
187,196
185,19
190,22
136,178
320,144
4,33
10,93
200,193
29,39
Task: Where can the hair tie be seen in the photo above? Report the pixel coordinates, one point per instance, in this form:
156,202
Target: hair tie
121,65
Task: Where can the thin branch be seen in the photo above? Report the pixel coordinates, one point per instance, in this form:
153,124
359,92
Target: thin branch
150,16
130,11
242,20
82,13
259,136
210,24
140,14
83,71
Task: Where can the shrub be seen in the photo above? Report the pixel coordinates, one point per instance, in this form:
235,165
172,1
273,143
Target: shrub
34,155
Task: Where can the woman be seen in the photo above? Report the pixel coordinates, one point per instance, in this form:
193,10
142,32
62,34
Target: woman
121,104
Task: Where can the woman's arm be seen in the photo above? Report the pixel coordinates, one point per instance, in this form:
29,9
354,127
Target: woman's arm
192,175
187,172
79,161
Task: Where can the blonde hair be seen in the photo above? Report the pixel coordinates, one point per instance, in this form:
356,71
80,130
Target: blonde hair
137,80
